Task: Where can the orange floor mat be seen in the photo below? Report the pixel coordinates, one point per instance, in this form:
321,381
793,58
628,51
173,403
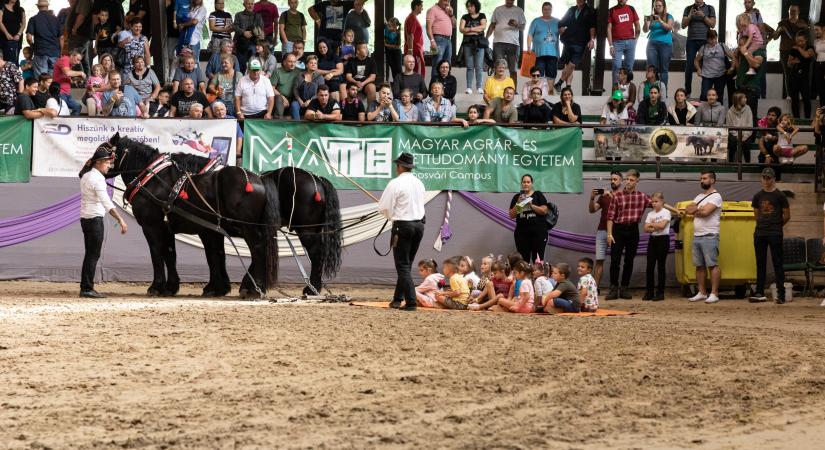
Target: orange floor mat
600,312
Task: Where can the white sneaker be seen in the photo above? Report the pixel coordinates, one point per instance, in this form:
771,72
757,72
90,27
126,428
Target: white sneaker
751,71
698,297
469,91
480,91
823,303
473,306
713,298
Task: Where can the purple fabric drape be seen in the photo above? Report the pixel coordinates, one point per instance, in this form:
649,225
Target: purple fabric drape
585,243
39,223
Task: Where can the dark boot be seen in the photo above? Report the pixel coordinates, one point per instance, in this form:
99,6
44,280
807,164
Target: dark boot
648,296
409,306
624,293
658,297
395,304
613,294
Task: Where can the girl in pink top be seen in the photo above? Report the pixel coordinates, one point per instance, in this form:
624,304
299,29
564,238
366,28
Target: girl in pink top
751,31
425,292
95,86
521,301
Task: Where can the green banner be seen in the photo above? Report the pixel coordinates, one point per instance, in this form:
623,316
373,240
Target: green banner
15,149
479,158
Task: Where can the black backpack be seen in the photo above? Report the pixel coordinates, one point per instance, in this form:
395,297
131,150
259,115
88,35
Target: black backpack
552,216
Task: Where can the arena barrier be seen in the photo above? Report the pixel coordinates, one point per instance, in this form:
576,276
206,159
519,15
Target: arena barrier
15,149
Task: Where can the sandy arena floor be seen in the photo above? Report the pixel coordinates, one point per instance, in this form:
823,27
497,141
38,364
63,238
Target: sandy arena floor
132,372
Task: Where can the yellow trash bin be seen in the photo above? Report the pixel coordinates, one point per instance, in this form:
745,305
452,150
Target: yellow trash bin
737,259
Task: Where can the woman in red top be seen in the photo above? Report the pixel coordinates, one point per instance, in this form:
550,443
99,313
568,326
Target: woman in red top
414,36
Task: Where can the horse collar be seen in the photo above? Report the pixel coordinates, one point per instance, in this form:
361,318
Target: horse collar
155,167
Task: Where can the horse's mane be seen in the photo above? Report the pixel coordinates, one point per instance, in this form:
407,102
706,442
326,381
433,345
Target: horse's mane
144,154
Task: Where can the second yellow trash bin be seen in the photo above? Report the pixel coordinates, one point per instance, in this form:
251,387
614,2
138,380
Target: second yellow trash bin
737,259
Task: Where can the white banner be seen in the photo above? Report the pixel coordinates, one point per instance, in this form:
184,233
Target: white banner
61,146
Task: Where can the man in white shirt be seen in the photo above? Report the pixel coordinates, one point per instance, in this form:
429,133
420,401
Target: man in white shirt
403,203
254,97
94,204
706,210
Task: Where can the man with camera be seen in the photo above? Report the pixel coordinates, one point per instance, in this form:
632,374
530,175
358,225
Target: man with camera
600,201
698,18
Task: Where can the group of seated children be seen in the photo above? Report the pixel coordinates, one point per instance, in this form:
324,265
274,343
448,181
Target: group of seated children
506,285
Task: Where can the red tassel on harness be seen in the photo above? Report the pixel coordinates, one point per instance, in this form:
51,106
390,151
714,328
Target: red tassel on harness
183,195
249,187
317,197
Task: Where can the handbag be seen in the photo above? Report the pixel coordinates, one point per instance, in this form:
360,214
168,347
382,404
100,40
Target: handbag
528,61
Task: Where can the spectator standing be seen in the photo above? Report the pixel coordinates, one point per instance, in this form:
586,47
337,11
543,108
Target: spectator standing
358,20
660,40
414,36
440,23
786,32
222,85
137,45
120,100
352,108
652,111
739,115
220,25
383,110
600,201
329,16
79,31
63,74
652,79
137,9
105,32
506,25
436,108
361,71
749,83
578,34
407,110
567,111
189,69
681,112
12,24
269,15
657,223
172,40
11,82
113,8
698,18
495,85
528,208
197,17
216,60
706,210
711,65
254,97
543,40
622,31
444,77
306,87
410,79
292,25
329,66
537,111
772,211
502,109
183,99
819,72
249,28
472,26
392,45
538,81
800,59
43,34
323,108
711,113
283,84
25,102
764,29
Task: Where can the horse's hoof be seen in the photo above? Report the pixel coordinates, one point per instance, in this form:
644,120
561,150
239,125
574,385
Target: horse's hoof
247,294
168,293
208,294
152,292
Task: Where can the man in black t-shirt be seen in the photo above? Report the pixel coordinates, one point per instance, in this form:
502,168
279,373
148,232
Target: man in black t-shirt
329,16
185,98
361,71
322,107
352,108
772,211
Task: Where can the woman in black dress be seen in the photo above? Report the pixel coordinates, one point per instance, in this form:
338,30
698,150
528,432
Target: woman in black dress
528,208
12,22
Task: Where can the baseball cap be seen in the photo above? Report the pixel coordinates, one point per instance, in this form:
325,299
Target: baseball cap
768,172
254,64
617,95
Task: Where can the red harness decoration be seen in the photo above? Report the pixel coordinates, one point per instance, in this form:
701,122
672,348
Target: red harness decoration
211,166
155,167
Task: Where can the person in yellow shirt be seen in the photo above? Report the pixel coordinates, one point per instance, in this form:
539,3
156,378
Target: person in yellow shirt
458,296
494,86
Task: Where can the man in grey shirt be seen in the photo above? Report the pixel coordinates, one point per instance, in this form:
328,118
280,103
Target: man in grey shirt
508,20
698,19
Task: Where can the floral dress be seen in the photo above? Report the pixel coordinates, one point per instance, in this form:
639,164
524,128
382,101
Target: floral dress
10,76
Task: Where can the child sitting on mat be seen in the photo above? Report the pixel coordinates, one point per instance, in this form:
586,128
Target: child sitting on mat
588,289
565,297
458,296
468,270
425,292
499,286
521,296
541,284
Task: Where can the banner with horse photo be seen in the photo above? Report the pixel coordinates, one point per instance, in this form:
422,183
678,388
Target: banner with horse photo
15,149
63,144
478,158
676,143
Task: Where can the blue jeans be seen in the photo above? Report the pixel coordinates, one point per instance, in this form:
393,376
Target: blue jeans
43,64
624,56
716,83
659,54
691,48
445,51
565,305
295,110
73,105
474,59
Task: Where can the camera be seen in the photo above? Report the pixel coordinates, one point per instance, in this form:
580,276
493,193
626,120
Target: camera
600,191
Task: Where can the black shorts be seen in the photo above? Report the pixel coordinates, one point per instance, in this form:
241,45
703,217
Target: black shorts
508,52
572,53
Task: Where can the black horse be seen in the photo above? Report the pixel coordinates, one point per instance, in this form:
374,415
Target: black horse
233,198
310,208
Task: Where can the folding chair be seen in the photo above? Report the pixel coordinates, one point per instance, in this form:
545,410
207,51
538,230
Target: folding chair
815,260
795,259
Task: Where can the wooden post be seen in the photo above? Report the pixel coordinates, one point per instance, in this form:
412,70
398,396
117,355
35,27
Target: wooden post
157,48
378,54
601,38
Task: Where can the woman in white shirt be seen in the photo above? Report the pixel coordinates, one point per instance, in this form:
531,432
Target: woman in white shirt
55,103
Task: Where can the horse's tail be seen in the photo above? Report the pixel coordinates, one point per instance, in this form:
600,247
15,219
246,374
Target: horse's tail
272,217
332,236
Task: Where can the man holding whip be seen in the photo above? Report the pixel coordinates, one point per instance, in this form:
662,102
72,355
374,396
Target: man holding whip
403,203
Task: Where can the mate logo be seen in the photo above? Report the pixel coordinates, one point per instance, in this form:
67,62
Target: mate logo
56,128
353,157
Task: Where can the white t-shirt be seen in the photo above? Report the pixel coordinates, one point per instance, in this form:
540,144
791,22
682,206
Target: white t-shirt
709,224
613,117
200,14
254,94
655,217
61,108
472,279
